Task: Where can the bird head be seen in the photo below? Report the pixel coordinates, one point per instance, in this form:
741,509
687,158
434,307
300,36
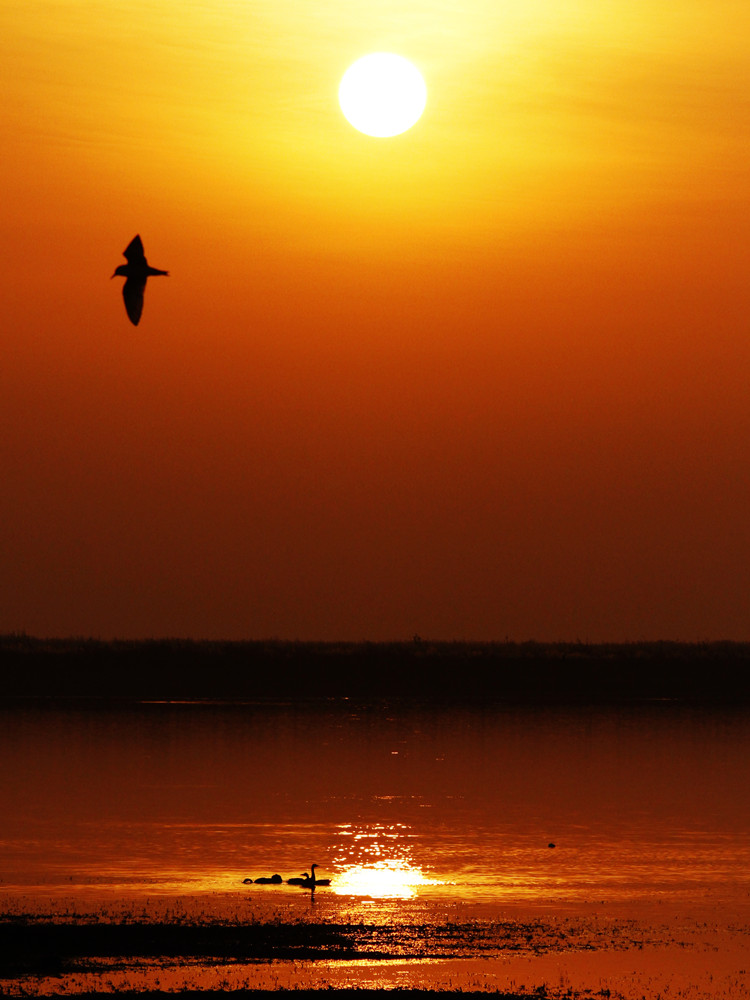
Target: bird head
122,271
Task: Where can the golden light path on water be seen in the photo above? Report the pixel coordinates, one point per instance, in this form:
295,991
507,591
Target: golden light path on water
375,861
383,880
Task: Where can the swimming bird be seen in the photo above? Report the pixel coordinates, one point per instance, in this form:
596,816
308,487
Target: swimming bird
269,880
137,271
312,881
303,879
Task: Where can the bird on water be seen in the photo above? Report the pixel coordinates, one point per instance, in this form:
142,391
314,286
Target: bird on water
313,881
307,880
303,879
137,272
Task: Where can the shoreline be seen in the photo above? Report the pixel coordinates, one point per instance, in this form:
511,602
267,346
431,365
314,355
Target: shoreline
170,670
584,954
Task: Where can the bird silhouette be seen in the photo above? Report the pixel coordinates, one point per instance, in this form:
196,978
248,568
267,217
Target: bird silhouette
312,881
303,879
137,271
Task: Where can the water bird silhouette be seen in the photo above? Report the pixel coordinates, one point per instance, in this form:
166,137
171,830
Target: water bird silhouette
137,272
307,880
312,881
303,879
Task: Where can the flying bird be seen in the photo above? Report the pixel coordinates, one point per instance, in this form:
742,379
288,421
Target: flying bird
137,272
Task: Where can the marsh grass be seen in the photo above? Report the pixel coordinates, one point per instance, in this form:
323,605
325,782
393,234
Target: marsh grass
69,943
98,953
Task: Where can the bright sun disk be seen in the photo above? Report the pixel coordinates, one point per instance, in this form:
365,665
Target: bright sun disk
382,94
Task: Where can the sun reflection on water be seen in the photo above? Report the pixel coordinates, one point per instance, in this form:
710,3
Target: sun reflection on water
375,860
383,880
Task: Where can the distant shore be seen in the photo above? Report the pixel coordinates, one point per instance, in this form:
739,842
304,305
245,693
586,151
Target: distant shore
419,671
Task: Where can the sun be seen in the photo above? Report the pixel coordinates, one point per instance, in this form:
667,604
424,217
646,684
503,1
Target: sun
382,94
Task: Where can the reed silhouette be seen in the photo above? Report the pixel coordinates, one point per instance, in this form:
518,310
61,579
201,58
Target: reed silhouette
137,272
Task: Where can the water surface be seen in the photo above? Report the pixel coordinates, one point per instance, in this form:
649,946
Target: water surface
419,817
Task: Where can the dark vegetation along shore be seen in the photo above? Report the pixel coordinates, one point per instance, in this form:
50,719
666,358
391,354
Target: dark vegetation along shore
39,946
419,671
44,947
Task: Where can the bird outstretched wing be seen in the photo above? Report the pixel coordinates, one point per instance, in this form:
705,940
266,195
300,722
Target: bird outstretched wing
133,253
132,293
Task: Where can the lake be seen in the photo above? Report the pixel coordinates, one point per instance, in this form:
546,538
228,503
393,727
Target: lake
583,849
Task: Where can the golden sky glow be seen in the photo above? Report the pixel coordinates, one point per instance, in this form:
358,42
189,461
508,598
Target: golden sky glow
485,378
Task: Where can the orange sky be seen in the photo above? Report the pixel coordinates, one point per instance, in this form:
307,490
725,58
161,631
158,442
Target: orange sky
487,378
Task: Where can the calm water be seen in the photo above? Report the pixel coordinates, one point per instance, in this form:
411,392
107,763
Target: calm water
406,811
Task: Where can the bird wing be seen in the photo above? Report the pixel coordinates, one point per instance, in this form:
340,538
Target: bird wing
132,293
133,253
